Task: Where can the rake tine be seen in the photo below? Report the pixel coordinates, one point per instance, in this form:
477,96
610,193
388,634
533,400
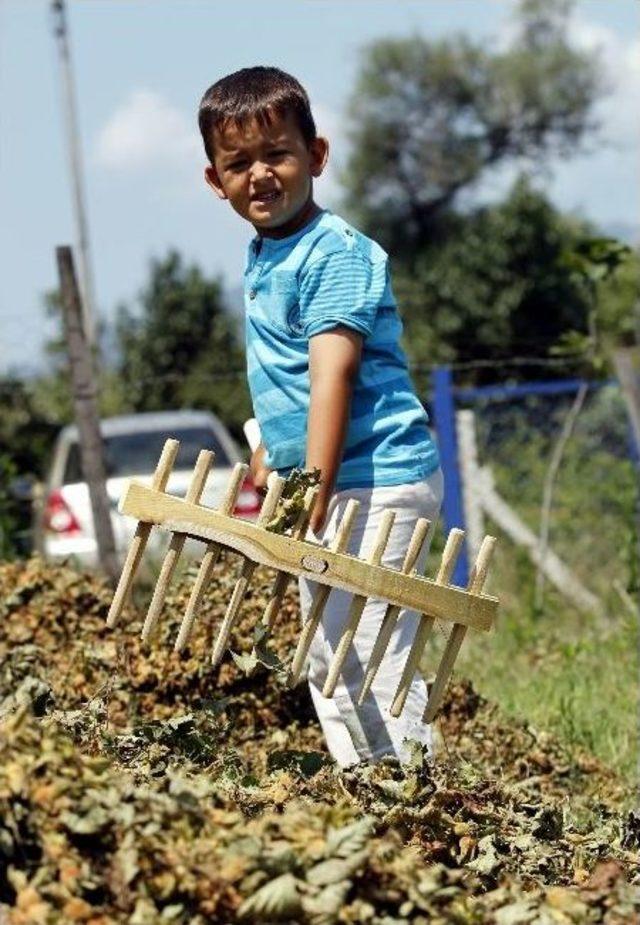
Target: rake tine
248,568
357,606
418,537
209,559
339,544
476,583
194,492
447,565
141,536
283,578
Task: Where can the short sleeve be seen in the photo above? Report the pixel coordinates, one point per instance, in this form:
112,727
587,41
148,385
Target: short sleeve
342,289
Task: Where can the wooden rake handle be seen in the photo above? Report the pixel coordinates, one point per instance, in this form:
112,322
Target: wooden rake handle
283,578
141,536
309,560
476,584
447,566
209,559
321,595
194,492
357,606
416,543
241,587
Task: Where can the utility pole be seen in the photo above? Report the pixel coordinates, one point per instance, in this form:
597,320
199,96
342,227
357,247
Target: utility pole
85,402
60,29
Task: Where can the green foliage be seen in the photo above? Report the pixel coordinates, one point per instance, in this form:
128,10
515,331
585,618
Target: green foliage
551,664
554,668
428,120
26,429
592,262
429,117
618,304
26,432
180,348
495,288
10,520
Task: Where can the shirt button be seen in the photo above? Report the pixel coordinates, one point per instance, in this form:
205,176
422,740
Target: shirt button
252,293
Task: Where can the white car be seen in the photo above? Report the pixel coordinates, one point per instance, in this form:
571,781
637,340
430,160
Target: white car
132,445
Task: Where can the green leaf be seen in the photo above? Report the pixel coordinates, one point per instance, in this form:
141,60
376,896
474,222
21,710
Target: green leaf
518,913
126,860
95,821
172,912
246,663
342,843
278,899
488,859
336,869
323,909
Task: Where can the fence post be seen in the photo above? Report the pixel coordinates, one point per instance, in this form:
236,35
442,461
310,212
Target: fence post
469,475
85,402
627,367
445,424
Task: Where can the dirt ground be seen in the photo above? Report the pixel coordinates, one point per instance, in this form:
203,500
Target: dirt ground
140,786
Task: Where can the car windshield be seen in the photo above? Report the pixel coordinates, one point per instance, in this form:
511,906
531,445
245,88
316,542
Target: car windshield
138,454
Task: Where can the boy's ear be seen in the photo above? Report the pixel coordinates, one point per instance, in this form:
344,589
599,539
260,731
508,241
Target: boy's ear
319,151
213,180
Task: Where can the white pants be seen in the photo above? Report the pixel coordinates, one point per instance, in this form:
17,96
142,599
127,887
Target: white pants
368,732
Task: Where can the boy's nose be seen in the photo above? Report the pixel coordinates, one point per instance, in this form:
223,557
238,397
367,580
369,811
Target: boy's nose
260,171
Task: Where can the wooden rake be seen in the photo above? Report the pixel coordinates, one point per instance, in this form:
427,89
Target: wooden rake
292,555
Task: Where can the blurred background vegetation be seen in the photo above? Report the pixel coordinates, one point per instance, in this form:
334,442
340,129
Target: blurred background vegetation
490,289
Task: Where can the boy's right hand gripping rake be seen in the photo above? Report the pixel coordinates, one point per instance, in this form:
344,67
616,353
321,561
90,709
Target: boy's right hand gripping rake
293,555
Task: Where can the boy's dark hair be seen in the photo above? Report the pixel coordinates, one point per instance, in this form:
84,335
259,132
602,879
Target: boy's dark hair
254,93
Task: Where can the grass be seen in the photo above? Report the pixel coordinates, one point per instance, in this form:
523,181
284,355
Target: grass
572,673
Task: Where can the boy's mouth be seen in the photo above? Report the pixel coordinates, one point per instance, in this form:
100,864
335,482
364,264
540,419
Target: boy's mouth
266,197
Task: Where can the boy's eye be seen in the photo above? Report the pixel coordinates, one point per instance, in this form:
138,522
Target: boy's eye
278,152
236,165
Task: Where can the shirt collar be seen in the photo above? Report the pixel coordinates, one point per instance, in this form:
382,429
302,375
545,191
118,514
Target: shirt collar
263,245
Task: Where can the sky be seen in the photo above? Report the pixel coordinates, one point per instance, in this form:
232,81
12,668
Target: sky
140,69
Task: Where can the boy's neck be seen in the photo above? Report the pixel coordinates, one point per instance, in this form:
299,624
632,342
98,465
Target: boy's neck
306,214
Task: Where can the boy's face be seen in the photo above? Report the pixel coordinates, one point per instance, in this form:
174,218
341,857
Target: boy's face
265,171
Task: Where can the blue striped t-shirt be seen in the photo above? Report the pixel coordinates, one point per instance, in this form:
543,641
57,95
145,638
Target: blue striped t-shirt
327,275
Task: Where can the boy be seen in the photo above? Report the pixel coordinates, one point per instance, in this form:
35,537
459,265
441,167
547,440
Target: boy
328,379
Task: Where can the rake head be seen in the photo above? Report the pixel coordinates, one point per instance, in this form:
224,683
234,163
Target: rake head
292,555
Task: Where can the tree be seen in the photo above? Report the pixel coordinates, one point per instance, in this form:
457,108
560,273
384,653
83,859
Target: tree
430,117
26,431
26,435
497,287
181,347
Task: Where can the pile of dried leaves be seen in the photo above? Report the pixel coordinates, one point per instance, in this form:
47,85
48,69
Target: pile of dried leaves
140,786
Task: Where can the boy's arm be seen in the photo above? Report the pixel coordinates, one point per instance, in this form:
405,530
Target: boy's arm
334,359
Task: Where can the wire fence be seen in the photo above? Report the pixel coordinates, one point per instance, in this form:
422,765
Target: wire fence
13,384
582,511
593,511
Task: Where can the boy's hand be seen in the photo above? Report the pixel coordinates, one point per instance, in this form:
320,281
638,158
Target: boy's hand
259,472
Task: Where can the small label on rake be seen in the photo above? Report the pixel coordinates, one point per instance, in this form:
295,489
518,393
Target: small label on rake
314,564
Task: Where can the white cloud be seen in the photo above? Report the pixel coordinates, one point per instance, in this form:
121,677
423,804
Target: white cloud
620,62
601,183
619,58
147,131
